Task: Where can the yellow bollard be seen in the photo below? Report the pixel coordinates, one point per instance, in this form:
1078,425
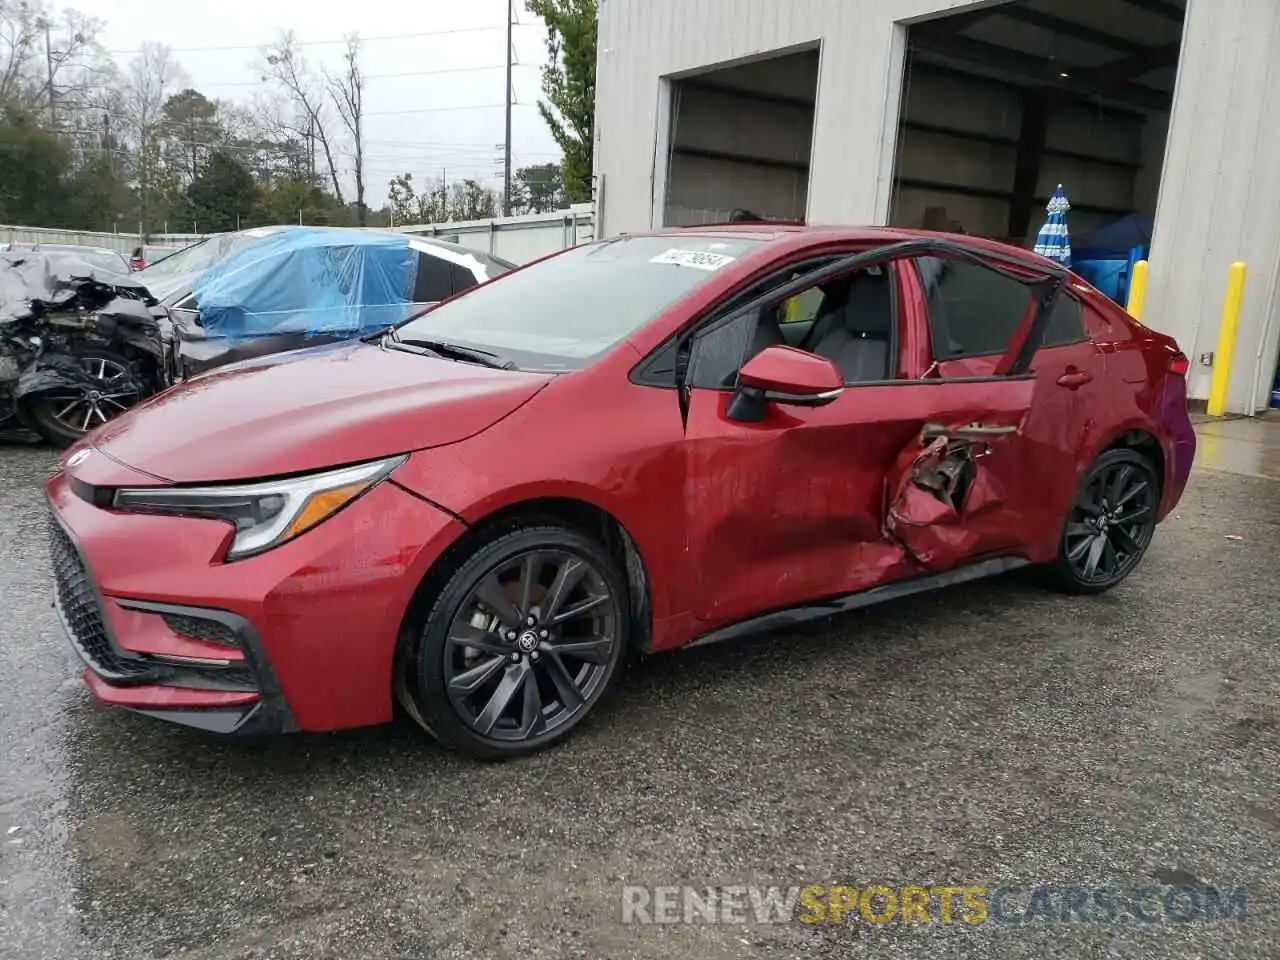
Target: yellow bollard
1137,290
1221,376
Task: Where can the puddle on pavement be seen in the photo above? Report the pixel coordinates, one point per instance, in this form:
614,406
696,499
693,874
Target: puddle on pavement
1245,446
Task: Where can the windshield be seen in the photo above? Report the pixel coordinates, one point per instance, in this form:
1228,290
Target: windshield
562,312
168,276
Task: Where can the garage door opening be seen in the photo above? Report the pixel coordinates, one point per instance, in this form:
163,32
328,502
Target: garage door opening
1002,104
740,139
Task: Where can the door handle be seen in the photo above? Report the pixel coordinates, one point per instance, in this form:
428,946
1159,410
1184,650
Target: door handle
1076,380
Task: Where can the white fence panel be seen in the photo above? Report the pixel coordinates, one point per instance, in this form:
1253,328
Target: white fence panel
518,239
120,242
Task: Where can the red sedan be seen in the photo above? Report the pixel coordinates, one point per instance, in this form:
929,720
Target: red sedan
631,446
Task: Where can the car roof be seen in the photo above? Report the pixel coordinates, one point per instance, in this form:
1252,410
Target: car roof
792,235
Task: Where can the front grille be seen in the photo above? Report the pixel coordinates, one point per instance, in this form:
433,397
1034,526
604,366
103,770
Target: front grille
77,604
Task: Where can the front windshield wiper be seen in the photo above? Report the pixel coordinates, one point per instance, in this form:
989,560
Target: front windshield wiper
450,351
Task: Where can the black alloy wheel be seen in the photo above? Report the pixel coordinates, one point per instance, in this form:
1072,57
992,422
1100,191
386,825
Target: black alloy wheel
65,414
1110,524
524,640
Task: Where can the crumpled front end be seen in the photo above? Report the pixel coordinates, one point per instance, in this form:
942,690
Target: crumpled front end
54,308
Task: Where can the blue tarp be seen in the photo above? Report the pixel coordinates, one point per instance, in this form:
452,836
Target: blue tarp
1115,240
308,281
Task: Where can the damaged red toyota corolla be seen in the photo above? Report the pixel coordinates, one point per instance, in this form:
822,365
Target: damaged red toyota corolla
631,446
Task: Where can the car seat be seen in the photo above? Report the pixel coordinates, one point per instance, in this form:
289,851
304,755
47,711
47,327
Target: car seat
853,326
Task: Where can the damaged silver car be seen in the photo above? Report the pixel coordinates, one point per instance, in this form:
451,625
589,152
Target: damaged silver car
80,344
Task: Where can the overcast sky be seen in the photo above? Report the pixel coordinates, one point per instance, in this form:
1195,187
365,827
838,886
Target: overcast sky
435,70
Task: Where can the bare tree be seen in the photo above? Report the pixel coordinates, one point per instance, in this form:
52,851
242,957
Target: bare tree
305,116
347,92
149,79
18,34
52,60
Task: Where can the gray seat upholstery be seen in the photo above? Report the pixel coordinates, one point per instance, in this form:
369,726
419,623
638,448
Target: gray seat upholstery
860,359
768,334
853,327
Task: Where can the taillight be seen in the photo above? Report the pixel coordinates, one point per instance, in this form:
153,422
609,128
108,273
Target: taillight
1179,365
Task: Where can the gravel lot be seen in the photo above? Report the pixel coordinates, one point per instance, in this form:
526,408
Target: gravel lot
990,734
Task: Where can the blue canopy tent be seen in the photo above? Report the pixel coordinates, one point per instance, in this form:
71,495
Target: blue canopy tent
1106,256
1116,240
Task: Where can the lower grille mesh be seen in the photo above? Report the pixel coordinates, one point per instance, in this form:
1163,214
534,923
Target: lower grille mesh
77,605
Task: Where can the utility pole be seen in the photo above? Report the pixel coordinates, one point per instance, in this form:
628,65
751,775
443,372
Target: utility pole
506,162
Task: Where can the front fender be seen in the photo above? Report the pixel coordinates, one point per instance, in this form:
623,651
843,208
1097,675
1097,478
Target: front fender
472,483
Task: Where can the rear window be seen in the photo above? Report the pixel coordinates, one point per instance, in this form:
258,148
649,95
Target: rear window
463,279
434,280
1066,324
973,311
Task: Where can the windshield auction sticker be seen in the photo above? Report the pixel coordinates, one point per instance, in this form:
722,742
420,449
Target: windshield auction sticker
699,259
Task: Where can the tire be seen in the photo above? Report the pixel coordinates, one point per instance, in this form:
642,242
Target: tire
476,700
1096,530
51,412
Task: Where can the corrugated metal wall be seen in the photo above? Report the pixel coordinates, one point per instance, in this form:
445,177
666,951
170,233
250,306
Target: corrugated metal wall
1220,194
1219,199
642,41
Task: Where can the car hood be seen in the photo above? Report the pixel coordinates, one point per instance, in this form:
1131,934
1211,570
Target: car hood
308,410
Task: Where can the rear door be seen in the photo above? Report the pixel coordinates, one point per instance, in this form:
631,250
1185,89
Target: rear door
969,312
816,502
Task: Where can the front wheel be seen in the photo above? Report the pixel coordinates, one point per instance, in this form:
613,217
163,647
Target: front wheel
109,386
1110,524
523,641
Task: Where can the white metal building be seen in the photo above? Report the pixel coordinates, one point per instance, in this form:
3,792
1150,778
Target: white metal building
937,113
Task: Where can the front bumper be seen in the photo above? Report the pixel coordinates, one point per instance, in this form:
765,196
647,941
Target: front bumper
299,638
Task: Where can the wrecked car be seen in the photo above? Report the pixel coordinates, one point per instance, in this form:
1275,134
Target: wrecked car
631,446
228,298
78,344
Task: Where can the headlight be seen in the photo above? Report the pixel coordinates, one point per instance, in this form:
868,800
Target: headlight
265,514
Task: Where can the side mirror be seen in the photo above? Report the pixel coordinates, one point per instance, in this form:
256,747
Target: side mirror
785,376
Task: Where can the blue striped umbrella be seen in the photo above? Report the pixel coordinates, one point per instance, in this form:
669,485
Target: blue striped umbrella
1053,240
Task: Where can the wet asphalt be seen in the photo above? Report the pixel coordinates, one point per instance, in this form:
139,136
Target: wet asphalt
993,733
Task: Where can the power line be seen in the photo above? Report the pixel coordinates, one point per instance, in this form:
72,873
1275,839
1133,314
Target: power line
323,43
473,106
385,76
371,76
457,147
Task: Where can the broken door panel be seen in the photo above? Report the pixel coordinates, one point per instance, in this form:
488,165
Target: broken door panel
949,491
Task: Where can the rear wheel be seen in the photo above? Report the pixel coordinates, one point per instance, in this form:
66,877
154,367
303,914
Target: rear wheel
65,414
1110,524
523,641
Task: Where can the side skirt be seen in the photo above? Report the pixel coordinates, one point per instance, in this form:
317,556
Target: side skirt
863,598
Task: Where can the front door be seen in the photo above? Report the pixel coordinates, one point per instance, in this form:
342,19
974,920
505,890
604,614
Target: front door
801,505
